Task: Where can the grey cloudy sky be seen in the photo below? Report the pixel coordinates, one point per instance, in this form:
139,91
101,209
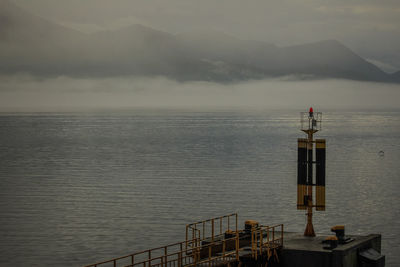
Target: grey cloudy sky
369,27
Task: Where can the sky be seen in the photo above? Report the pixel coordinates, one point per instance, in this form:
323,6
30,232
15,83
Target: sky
371,28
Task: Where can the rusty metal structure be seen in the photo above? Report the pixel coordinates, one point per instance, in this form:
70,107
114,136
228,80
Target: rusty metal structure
212,242
311,123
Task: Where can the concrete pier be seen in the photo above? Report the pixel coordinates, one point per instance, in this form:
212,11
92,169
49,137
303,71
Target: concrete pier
301,251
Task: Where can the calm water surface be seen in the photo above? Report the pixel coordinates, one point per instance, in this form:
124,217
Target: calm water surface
76,188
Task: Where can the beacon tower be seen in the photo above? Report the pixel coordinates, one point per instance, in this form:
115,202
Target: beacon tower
307,166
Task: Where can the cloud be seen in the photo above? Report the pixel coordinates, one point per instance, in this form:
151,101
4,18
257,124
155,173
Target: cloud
116,24
367,27
27,93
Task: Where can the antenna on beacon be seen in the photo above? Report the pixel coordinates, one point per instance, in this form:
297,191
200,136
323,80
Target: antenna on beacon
310,124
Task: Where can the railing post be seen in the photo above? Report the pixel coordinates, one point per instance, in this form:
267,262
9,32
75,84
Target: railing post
255,243
193,237
195,257
209,255
252,243
115,263
261,241
282,235
273,234
237,245
199,238
212,229
203,230
165,254
149,258
132,259
236,222
186,236
223,249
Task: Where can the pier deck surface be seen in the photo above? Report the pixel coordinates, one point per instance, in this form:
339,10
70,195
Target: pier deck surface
299,250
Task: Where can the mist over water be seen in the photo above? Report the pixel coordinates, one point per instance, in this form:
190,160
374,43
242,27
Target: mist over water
27,93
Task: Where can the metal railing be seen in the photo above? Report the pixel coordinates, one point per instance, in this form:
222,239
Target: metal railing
145,256
211,253
204,250
266,239
210,229
204,254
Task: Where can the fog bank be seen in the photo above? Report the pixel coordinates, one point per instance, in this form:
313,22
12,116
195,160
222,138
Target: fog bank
24,93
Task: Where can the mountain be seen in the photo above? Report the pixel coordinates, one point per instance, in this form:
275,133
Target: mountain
329,59
396,76
32,44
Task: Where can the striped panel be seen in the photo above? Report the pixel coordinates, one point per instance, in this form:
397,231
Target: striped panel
301,172
320,173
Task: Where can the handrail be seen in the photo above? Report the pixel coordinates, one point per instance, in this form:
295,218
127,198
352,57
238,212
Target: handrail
192,252
199,234
181,254
133,255
259,245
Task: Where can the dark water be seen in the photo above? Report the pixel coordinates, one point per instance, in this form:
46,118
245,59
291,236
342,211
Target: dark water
77,188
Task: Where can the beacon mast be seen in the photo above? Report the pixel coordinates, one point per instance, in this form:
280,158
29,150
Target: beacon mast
310,124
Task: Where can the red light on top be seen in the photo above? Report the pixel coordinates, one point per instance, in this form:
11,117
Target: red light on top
311,110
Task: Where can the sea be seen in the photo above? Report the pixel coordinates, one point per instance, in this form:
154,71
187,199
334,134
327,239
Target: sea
81,187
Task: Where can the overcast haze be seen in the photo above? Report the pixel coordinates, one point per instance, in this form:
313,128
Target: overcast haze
371,28
199,54
25,94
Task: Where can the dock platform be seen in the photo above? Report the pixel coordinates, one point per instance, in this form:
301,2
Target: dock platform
218,242
299,251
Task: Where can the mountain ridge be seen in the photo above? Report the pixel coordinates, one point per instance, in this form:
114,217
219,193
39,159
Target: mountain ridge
35,45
